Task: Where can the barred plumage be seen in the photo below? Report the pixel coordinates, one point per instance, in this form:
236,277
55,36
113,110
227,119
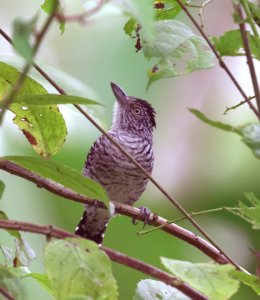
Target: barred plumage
133,123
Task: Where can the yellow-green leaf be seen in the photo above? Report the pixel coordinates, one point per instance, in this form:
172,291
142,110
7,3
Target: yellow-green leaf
43,126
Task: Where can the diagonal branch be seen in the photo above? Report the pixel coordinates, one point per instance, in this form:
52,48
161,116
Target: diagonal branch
50,231
244,36
220,60
159,187
6,294
120,208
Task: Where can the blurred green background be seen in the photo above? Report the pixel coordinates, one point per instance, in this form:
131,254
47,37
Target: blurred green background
202,167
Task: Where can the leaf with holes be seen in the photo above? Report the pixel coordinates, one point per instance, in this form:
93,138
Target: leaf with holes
152,289
78,268
231,44
43,126
210,279
67,177
177,49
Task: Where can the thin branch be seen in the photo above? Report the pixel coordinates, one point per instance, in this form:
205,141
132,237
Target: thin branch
237,105
159,187
50,231
120,208
244,35
81,18
8,98
6,294
221,62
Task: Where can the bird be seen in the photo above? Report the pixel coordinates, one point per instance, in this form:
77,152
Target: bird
132,128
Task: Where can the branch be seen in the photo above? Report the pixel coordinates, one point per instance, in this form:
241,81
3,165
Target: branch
159,187
120,208
8,98
81,18
249,58
50,231
6,294
221,62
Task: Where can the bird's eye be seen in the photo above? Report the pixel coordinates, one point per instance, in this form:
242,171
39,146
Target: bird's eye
136,111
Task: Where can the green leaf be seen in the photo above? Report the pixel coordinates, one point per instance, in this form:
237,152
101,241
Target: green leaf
11,284
210,279
12,232
2,188
47,99
251,212
24,253
22,31
251,137
230,44
130,26
43,126
78,268
248,279
250,133
151,289
177,49
203,118
67,177
170,11
143,13
48,6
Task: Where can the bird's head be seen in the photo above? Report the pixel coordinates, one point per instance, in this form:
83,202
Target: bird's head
132,114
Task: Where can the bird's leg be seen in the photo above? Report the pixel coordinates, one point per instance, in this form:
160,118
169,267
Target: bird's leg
145,215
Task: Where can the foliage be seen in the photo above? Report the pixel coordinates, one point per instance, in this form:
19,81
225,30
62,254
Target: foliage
205,277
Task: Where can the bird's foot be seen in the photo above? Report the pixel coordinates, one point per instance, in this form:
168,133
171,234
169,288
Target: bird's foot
145,215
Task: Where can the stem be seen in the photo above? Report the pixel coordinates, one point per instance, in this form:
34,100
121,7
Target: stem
221,62
120,208
237,105
50,231
244,35
8,98
167,195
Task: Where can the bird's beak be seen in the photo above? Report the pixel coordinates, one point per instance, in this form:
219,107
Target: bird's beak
121,96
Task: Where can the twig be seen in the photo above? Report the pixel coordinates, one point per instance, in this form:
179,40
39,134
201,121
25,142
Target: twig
193,214
8,98
237,105
6,294
167,195
113,255
221,62
81,18
250,62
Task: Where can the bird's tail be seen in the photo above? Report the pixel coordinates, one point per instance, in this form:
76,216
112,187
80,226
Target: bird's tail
93,224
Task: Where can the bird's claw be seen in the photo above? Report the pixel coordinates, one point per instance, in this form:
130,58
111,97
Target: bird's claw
145,215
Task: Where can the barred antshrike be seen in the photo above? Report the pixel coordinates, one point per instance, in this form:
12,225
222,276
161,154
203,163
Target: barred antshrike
132,128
